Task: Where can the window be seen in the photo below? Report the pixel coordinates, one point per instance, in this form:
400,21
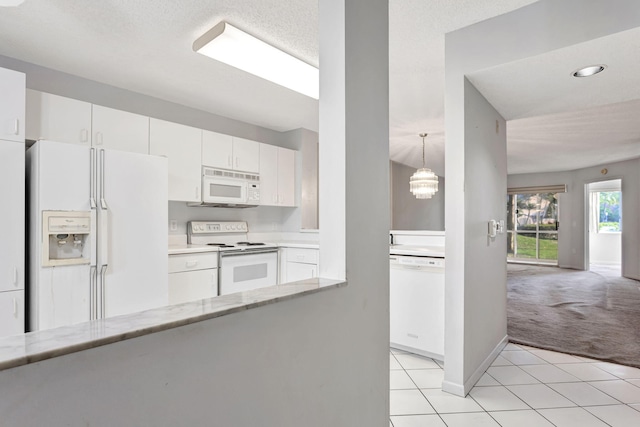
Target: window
532,227
606,212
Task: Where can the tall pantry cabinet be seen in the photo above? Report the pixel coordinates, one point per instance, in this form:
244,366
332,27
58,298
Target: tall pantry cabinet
12,193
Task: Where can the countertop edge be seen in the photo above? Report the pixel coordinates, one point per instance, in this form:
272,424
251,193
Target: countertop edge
229,305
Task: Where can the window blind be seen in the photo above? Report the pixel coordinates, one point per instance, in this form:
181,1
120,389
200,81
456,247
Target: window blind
540,189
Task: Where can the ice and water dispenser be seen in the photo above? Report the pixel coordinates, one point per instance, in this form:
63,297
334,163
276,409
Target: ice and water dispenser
66,238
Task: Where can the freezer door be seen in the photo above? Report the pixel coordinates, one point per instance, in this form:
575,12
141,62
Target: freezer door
59,177
133,219
63,297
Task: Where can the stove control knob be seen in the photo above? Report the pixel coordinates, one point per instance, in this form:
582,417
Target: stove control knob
233,227
244,226
228,227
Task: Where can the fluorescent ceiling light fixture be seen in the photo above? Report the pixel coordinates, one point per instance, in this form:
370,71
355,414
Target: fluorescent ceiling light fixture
589,71
234,47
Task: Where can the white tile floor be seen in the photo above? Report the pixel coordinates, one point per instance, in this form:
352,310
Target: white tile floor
525,387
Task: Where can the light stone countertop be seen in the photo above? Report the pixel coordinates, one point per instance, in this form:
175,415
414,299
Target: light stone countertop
299,244
414,250
37,346
190,249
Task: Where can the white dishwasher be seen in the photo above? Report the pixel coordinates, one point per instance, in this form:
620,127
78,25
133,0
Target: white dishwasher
417,304
193,276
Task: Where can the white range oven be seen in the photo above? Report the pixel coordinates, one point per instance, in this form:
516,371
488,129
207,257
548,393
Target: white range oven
229,188
242,265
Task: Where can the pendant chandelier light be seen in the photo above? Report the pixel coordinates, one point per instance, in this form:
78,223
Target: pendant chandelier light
424,183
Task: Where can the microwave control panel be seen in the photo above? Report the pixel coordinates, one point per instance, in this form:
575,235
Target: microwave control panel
253,193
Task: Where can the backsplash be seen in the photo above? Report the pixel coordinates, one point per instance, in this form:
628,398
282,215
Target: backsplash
264,219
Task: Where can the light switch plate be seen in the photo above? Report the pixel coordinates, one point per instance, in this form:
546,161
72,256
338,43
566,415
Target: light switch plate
173,225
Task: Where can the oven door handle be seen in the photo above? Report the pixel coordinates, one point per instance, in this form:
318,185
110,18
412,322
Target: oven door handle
248,252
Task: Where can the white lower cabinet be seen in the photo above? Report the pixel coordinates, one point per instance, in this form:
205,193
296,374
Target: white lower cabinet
193,276
298,264
11,313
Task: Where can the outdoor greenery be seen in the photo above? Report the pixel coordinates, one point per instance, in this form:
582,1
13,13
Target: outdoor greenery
526,247
543,227
609,215
609,226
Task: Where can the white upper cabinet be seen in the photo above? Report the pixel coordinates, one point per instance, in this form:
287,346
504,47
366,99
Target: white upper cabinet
120,130
246,155
286,177
268,175
227,152
57,118
277,176
217,150
182,147
12,105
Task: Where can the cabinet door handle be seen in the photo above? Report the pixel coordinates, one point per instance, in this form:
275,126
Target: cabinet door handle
98,138
16,127
15,307
191,264
197,192
15,276
84,135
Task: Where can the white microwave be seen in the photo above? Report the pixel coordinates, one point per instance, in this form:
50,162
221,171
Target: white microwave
227,188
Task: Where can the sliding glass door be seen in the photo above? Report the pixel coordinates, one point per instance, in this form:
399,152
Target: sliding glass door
532,227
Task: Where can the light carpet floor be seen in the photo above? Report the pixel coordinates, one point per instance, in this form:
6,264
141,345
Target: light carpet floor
577,312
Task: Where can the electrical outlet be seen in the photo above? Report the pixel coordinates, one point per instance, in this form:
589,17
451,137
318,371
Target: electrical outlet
173,225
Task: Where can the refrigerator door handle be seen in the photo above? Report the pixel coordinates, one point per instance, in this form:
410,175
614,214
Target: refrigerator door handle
92,178
103,280
93,277
103,202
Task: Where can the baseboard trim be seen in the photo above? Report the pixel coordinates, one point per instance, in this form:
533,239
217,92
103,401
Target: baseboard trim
478,373
414,350
463,389
453,388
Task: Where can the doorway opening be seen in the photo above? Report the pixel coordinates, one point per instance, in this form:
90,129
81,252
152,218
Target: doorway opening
605,227
532,228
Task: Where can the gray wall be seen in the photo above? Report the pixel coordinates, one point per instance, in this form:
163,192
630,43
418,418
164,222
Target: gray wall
573,214
409,213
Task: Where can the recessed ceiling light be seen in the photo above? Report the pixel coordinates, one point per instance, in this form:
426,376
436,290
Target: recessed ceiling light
589,71
234,47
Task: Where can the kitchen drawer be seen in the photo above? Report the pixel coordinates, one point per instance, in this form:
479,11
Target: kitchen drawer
190,262
307,256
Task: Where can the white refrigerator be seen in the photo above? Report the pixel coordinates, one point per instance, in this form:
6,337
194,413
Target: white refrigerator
121,263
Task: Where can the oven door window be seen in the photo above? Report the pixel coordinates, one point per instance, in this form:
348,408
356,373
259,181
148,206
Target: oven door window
225,190
243,272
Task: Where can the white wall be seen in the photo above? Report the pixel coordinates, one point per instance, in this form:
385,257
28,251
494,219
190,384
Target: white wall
409,213
605,248
573,214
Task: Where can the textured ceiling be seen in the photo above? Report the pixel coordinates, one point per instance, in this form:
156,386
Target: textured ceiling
145,46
